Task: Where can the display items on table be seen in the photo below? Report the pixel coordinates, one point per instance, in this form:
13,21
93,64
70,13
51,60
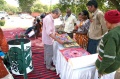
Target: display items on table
71,44
73,52
64,37
68,41
76,67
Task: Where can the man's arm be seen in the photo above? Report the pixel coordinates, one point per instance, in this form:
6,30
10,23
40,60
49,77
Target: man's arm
101,19
56,39
49,31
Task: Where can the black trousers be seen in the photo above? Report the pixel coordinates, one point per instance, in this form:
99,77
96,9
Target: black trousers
92,46
70,35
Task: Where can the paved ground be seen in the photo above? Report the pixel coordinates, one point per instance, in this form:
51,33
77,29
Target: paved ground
17,22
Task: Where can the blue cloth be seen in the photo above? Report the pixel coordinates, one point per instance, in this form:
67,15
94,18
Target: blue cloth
2,53
92,46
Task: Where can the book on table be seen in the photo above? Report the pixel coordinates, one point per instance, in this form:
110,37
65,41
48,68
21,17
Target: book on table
68,42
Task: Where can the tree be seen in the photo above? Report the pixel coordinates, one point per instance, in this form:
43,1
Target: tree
2,4
11,9
26,5
39,8
104,5
110,4
116,3
75,5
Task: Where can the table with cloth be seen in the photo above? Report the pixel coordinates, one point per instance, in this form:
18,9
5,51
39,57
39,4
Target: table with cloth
74,68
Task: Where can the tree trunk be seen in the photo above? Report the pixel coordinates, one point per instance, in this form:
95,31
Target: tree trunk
118,8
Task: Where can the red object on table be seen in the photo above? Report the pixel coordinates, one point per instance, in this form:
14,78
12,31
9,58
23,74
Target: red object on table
73,52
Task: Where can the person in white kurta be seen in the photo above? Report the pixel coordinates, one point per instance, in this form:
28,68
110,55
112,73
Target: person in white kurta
69,21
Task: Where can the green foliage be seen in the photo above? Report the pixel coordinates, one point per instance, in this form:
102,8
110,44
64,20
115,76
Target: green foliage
115,3
39,8
79,5
76,7
105,5
2,22
26,5
11,9
8,8
2,4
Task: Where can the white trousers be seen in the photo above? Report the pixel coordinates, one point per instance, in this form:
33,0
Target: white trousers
106,76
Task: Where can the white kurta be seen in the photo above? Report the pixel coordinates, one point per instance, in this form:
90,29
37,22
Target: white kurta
69,23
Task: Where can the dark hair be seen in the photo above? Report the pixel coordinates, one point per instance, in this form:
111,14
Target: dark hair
86,13
42,15
79,13
92,2
38,20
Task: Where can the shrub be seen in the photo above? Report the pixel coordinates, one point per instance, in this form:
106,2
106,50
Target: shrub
2,22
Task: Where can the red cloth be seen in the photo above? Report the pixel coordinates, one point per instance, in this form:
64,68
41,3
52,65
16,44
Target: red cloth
73,52
3,42
112,16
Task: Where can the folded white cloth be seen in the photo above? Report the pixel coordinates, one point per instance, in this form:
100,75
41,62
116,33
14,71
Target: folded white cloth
31,33
84,61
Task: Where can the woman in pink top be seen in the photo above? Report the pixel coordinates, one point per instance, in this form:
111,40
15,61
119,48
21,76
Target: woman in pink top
48,37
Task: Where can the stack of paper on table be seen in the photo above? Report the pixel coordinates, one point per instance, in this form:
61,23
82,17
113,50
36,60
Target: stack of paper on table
84,61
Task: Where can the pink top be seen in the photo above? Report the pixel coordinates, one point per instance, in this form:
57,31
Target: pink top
48,28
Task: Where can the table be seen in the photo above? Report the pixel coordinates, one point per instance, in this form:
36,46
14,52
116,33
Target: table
65,71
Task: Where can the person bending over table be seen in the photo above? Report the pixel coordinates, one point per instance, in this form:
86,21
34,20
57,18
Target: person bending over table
48,37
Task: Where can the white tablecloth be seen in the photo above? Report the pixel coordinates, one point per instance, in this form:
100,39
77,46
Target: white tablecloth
83,61
65,71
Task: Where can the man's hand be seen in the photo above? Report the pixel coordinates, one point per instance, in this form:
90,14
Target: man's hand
56,39
60,41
